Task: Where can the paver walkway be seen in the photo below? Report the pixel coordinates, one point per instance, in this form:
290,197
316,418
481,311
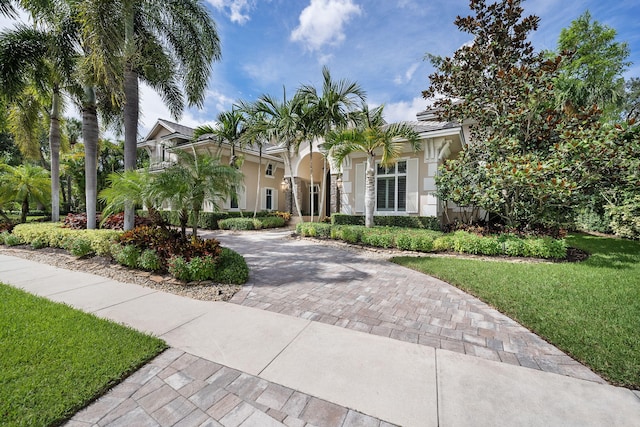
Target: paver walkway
361,290
182,390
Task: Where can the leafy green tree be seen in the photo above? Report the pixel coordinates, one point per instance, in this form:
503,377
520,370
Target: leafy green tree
9,152
631,105
591,73
194,179
230,127
370,136
24,184
326,110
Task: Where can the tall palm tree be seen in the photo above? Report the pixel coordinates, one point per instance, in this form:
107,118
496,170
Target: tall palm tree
231,127
23,184
163,43
371,135
327,110
255,136
46,59
282,126
194,179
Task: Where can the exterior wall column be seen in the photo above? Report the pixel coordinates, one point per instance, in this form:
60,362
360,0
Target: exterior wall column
335,194
289,204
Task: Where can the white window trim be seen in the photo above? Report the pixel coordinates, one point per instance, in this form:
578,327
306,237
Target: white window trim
394,212
273,170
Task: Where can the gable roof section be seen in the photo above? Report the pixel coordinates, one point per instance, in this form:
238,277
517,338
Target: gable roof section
175,130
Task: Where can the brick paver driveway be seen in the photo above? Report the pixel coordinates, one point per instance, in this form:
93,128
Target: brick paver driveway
359,289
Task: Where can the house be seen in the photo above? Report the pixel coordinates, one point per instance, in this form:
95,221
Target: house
408,188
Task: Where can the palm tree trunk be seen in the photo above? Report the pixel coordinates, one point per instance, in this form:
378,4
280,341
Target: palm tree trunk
54,146
25,209
323,189
311,192
369,196
131,106
131,112
255,209
294,187
90,134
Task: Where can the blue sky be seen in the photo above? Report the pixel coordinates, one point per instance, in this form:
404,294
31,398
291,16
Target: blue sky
268,44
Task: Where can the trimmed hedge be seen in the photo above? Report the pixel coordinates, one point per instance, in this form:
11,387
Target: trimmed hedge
251,223
435,241
426,222
40,235
210,220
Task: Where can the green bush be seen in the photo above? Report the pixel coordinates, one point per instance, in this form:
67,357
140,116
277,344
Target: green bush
404,221
179,268
150,260
231,268
314,229
39,243
129,256
202,268
81,247
272,222
352,234
378,237
12,240
55,236
625,218
237,224
3,236
443,243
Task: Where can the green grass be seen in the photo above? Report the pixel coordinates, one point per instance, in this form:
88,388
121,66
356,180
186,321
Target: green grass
54,359
591,309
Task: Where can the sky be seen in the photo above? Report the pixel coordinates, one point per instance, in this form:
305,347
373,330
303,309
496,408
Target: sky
381,44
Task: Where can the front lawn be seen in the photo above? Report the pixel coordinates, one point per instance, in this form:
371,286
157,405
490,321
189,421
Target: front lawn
55,359
591,309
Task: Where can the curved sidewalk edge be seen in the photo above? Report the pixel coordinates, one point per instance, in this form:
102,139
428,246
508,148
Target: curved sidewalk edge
385,379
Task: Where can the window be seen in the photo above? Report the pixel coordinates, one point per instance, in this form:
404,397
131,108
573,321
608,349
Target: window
268,199
391,187
269,170
234,199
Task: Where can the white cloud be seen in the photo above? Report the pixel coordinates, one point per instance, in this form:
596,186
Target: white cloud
322,23
408,75
404,110
221,101
237,10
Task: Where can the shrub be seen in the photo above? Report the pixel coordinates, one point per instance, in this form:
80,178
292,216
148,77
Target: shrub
272,222
6,226
378,237
352,234
202,268
12,240
625,218
443,243
426,222
314,229
116,221
3,236
237,224
39,243
232,268
129,256
150,261
81,247
179,268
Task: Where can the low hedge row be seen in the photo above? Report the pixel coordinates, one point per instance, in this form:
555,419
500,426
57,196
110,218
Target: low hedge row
426,222
251,223
86,242
210,220
228,268
435,241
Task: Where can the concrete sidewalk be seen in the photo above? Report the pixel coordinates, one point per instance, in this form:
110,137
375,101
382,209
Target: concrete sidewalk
367,377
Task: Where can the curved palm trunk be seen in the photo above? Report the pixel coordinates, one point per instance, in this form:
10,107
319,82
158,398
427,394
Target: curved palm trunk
131,112
90,134
369,196
294,187
25,209
255,209
54,146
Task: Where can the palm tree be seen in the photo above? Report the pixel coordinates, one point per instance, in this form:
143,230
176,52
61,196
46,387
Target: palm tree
136,186
45,59
282,125
23,184
326,111
255,135
162,43
371,135
231,126
196,178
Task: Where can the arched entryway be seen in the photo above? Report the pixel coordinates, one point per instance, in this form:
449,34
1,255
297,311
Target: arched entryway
314,193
